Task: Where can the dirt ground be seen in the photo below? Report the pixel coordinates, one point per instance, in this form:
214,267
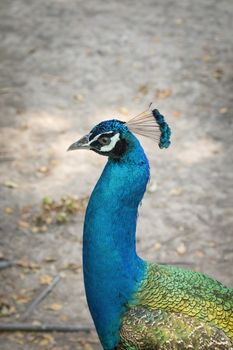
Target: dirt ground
66,65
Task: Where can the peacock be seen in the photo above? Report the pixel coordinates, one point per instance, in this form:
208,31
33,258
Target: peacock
136,304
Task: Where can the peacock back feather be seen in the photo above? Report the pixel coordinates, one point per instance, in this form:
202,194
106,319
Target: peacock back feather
178,309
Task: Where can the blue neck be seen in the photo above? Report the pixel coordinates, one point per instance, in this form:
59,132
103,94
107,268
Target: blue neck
112,269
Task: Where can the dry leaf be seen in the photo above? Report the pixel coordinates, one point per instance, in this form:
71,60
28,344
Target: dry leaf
43,229
6,309
47,339
177,191
143,89
151,187
61,218
73,267
63,318
179,21
54,307
19,335
223,110
45,279
79,98
23,224
50,259
35,229
11,184
123,110
181,249
9,210
21,299
199,253
218,73
163,93
157,246
43,169
176,114
25,263
206,58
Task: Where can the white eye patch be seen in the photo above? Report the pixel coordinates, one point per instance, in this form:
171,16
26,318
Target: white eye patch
97,136
112,144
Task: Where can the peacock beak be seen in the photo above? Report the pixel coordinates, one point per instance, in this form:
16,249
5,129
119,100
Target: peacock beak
83,143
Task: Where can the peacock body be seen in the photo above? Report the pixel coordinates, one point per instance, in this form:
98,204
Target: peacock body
135,304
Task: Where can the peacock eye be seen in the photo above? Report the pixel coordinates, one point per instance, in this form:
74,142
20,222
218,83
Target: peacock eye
104,140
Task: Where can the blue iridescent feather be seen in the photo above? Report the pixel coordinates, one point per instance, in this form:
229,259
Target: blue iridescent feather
164,141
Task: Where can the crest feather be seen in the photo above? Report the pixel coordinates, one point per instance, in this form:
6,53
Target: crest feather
152,124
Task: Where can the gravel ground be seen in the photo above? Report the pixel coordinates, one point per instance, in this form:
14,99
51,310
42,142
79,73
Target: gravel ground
66,65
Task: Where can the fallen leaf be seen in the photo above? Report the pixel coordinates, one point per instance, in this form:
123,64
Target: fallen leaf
63,318
163,93
73,267
206,58
23,224
19,335
47,339
25,263
79,98
50,259
43,229
47,201
123,110
43,169
9,210
45,279
223,110
35,229
36,323
177,191
152,187
143,89
181,249
157,246
11,184
6,309
21,299
199,253
61,218
176,114
54,307
179,21
218,73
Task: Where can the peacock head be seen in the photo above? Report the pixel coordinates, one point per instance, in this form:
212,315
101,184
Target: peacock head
113,138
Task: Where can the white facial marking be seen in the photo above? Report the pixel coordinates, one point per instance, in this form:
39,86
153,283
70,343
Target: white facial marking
112,144
97,136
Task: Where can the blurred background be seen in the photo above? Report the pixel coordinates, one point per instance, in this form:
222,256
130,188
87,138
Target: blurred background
66,65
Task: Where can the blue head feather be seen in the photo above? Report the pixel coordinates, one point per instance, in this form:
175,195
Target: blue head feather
164,141
114,125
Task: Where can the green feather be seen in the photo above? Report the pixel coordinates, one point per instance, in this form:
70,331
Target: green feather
178,309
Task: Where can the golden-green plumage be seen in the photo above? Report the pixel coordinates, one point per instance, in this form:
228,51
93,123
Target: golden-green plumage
178,309
144,329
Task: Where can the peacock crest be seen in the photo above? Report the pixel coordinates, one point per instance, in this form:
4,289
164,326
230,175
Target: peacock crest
152,124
